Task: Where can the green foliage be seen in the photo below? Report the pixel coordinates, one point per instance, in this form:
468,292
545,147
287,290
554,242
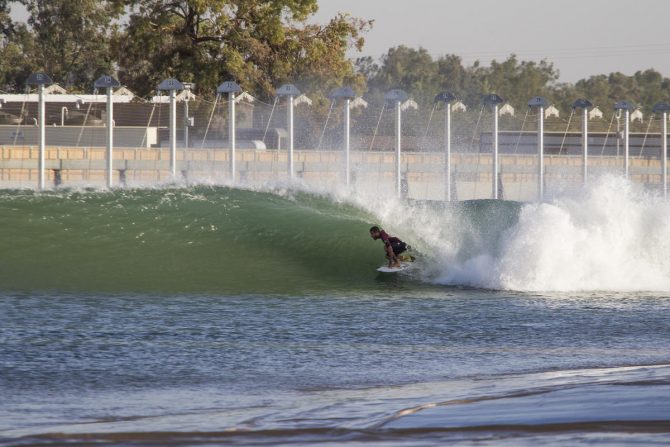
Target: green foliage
415,71
13,39
69,39
422,76
15,65
259,43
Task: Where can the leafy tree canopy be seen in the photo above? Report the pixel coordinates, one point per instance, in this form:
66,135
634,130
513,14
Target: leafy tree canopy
417,72
259,43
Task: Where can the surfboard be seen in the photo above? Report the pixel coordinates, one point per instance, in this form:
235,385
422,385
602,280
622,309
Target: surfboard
387,269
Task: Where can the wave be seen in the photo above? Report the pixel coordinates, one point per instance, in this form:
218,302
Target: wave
568,407
610,236
197,239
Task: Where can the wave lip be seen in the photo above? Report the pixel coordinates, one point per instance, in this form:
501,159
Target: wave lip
610,236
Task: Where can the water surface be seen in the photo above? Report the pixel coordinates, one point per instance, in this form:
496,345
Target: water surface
214,316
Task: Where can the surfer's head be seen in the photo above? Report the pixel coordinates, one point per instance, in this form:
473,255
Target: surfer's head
375,232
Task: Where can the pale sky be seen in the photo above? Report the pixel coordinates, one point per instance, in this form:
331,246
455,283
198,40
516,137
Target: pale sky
581,37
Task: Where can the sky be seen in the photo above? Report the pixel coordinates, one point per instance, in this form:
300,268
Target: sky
581,37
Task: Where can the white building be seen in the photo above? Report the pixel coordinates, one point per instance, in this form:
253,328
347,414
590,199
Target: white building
458,106
506,109
595,113
551,111
409,104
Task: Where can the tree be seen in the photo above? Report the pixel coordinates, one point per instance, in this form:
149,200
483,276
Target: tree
518,82
405,68
14,39
70,39
6,23
415,71
453,76
653,88
259,43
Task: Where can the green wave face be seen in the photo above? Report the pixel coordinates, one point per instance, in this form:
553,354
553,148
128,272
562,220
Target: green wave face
221,240
190,240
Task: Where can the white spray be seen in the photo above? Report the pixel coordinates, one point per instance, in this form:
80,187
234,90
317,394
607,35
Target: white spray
610,236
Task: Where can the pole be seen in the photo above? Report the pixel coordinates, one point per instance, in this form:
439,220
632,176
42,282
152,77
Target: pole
626,145
186,122
664,154
290,137
495,151
585,145
618,129
540,153
110,137
347,142
398,130
231,132
173,133
41,117
447,138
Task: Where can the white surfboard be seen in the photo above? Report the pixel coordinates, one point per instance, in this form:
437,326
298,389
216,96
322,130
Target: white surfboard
387,269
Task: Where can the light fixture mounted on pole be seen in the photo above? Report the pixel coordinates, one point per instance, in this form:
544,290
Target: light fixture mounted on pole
396,97
626,107
446,98
231,88
40,80
494,101
290,91
109,83
664,108
346,94
584,104
172,85
540,104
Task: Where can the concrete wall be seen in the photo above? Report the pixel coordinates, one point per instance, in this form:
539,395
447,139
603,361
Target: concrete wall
423,172
87,136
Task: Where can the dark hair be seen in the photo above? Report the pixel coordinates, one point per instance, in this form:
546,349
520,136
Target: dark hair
375,229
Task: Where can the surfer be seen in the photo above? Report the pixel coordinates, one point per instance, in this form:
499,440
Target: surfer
393,246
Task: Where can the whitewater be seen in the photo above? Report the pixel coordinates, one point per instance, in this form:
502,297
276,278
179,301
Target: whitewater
610,236
224,315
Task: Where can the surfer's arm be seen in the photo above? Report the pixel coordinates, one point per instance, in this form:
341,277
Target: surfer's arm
390,255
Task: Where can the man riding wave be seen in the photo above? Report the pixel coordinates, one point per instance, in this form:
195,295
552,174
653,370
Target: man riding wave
393,246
